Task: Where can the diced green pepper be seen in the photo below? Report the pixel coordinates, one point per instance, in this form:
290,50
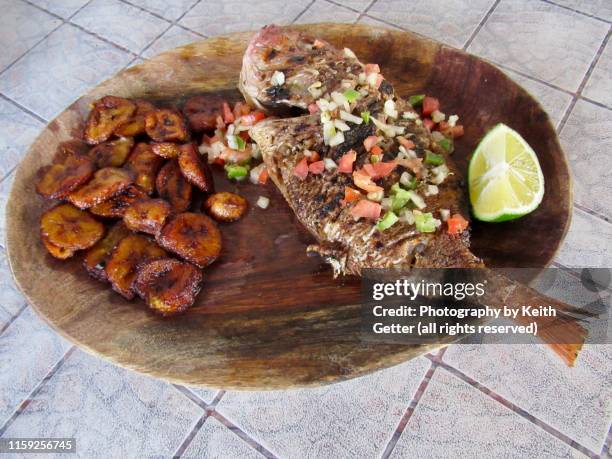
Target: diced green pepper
235,171
395,188
365,116
374,159
387,221
399,200
351,95
432,158
236,142
416,99
425,223
447,144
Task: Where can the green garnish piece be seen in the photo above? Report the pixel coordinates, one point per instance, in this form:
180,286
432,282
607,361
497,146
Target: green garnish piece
351,95
365,116
235,171
412,184
400,199
374,159
416,99
236,142
432,158
387,221
395,188
447,144
425,223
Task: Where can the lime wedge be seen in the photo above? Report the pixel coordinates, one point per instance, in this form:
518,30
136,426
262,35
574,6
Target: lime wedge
504,177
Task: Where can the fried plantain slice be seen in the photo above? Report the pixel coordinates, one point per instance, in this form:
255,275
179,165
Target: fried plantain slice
166,125
107,114
226,206
116,206
144,165
57,252
166,150
194,237
61,178
105,184
130,253
136,124
172,186
202,112
67,227
97,256
147,215
112,153
196,171
168,286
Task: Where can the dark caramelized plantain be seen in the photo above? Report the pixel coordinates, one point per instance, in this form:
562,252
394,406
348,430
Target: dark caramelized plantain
194,237
116,206
107,114
60,179
97,256
105,184
166,125
67,227
112,153
226,206
196,171
172,186
130,253
144,165
202,112
57,252
147,215
168,286
166,150
136,124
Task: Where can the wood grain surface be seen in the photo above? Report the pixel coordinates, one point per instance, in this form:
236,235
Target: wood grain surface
270,317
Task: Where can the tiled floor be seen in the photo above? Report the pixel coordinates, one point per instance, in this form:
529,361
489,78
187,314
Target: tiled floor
467,401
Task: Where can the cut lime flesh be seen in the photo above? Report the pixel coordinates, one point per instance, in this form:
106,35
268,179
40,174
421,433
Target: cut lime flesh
504,177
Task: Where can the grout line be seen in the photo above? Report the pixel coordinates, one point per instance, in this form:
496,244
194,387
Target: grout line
144,10
594,102
301,13
27,110
24,404
592,212
191,30
516,409
576,273
405,419
592,16
190,436
243,435
365,10
606,448
191,396
480,25
583,83
343,6
6,176
99,37
12,319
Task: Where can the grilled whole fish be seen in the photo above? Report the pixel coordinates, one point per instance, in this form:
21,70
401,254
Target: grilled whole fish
314,72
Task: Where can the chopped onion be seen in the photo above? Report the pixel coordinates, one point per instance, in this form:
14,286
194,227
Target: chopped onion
255,172
388,129
340,100
372,79
325,116
329,131
437,116
263,202
410,115
386,203
337,139
349,53
431,190
346,116
376,196
452,120
362,78
444,214
406,178
278,78
330,164
255,151
389,108
406,216
323,104
439,174
341,125
437,136
417,199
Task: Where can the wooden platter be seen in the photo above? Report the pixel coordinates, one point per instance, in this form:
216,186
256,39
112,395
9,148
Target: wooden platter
269,316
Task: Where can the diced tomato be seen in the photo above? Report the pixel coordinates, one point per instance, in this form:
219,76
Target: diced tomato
428,123
379,80
407,144
370,141
456,224
430,105
457,131
376,150
372,68
318,43
240,109
245,135
379,170
252,118
219,162
263,176
235,156
228,115
414,164
346,162
362,180
366,209
350,195
317,167
314,156
301,170
220,122
313,108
